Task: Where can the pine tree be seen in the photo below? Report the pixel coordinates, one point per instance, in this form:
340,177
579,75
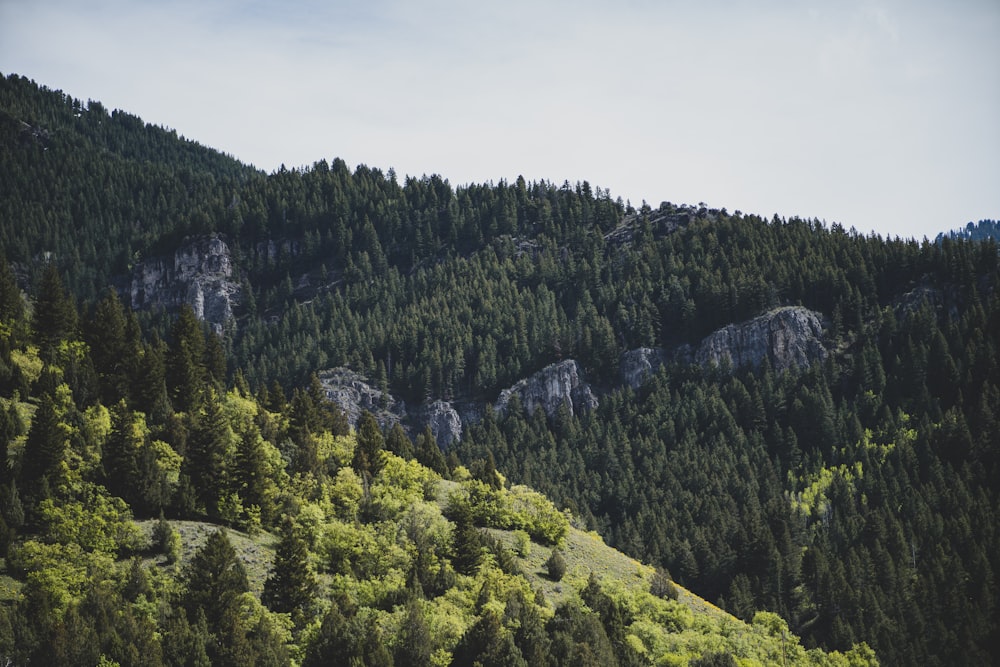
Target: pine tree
207,450
467,546
121,454
44,451
291,585
11,301
185,367
429,454
54,317
214,579
109,348
368,456
399,443
414,645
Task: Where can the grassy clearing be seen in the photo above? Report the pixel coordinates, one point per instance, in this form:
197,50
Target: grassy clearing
256,551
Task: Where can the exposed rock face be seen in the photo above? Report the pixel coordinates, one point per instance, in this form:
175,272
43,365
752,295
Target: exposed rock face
199,274
637,366
790,337
352,393
444,421
551,387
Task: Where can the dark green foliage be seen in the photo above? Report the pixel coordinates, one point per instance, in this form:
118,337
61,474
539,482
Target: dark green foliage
467,545
414,645
166,540
578,638
186,374
555,565
114,348
291,585
214,578
429,454
43,451
206,454
489,644
54,317
662,586
121,454
368,455
186,644
399,443
11,300
345,637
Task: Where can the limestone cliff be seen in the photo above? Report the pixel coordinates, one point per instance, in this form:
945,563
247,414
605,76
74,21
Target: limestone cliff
789,338
199,274
352,393
637,366
555,385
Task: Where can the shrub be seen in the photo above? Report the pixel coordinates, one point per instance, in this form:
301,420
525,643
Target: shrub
556,565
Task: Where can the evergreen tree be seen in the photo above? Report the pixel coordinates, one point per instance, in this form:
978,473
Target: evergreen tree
291,585
185,367
467,545
11,300
112,352
429,454
54,317
207,453
368,458
414,645
399,443
121,454
44,451
214,579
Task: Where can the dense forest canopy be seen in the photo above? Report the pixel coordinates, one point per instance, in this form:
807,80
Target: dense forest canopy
857,498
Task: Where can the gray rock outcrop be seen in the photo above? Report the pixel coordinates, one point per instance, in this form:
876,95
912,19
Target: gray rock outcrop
555,385
789,338
352,393
444,421
199,274
636,366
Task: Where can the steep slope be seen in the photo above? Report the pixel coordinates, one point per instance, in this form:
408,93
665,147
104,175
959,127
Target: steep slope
822,493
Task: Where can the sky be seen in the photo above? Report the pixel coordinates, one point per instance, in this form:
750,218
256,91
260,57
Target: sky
880,115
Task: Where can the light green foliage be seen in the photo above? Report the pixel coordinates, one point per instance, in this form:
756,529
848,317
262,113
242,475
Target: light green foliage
538,516
28,360
399,485
98,523
522,543
168,461
345,492
60,571
518,508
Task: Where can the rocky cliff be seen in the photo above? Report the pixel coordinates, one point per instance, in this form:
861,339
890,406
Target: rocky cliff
198,274
637,366
352,393
555,385
789,338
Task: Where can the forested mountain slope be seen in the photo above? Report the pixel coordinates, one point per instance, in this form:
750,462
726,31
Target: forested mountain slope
857,497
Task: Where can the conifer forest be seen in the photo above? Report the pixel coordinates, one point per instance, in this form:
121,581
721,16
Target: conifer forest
177,487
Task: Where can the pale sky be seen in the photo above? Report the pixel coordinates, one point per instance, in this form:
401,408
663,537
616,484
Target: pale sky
881,115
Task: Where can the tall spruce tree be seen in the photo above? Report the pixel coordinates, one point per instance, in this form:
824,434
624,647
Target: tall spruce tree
54,317
291,585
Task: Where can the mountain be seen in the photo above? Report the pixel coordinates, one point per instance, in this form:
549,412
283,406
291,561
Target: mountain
843,477
974,231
